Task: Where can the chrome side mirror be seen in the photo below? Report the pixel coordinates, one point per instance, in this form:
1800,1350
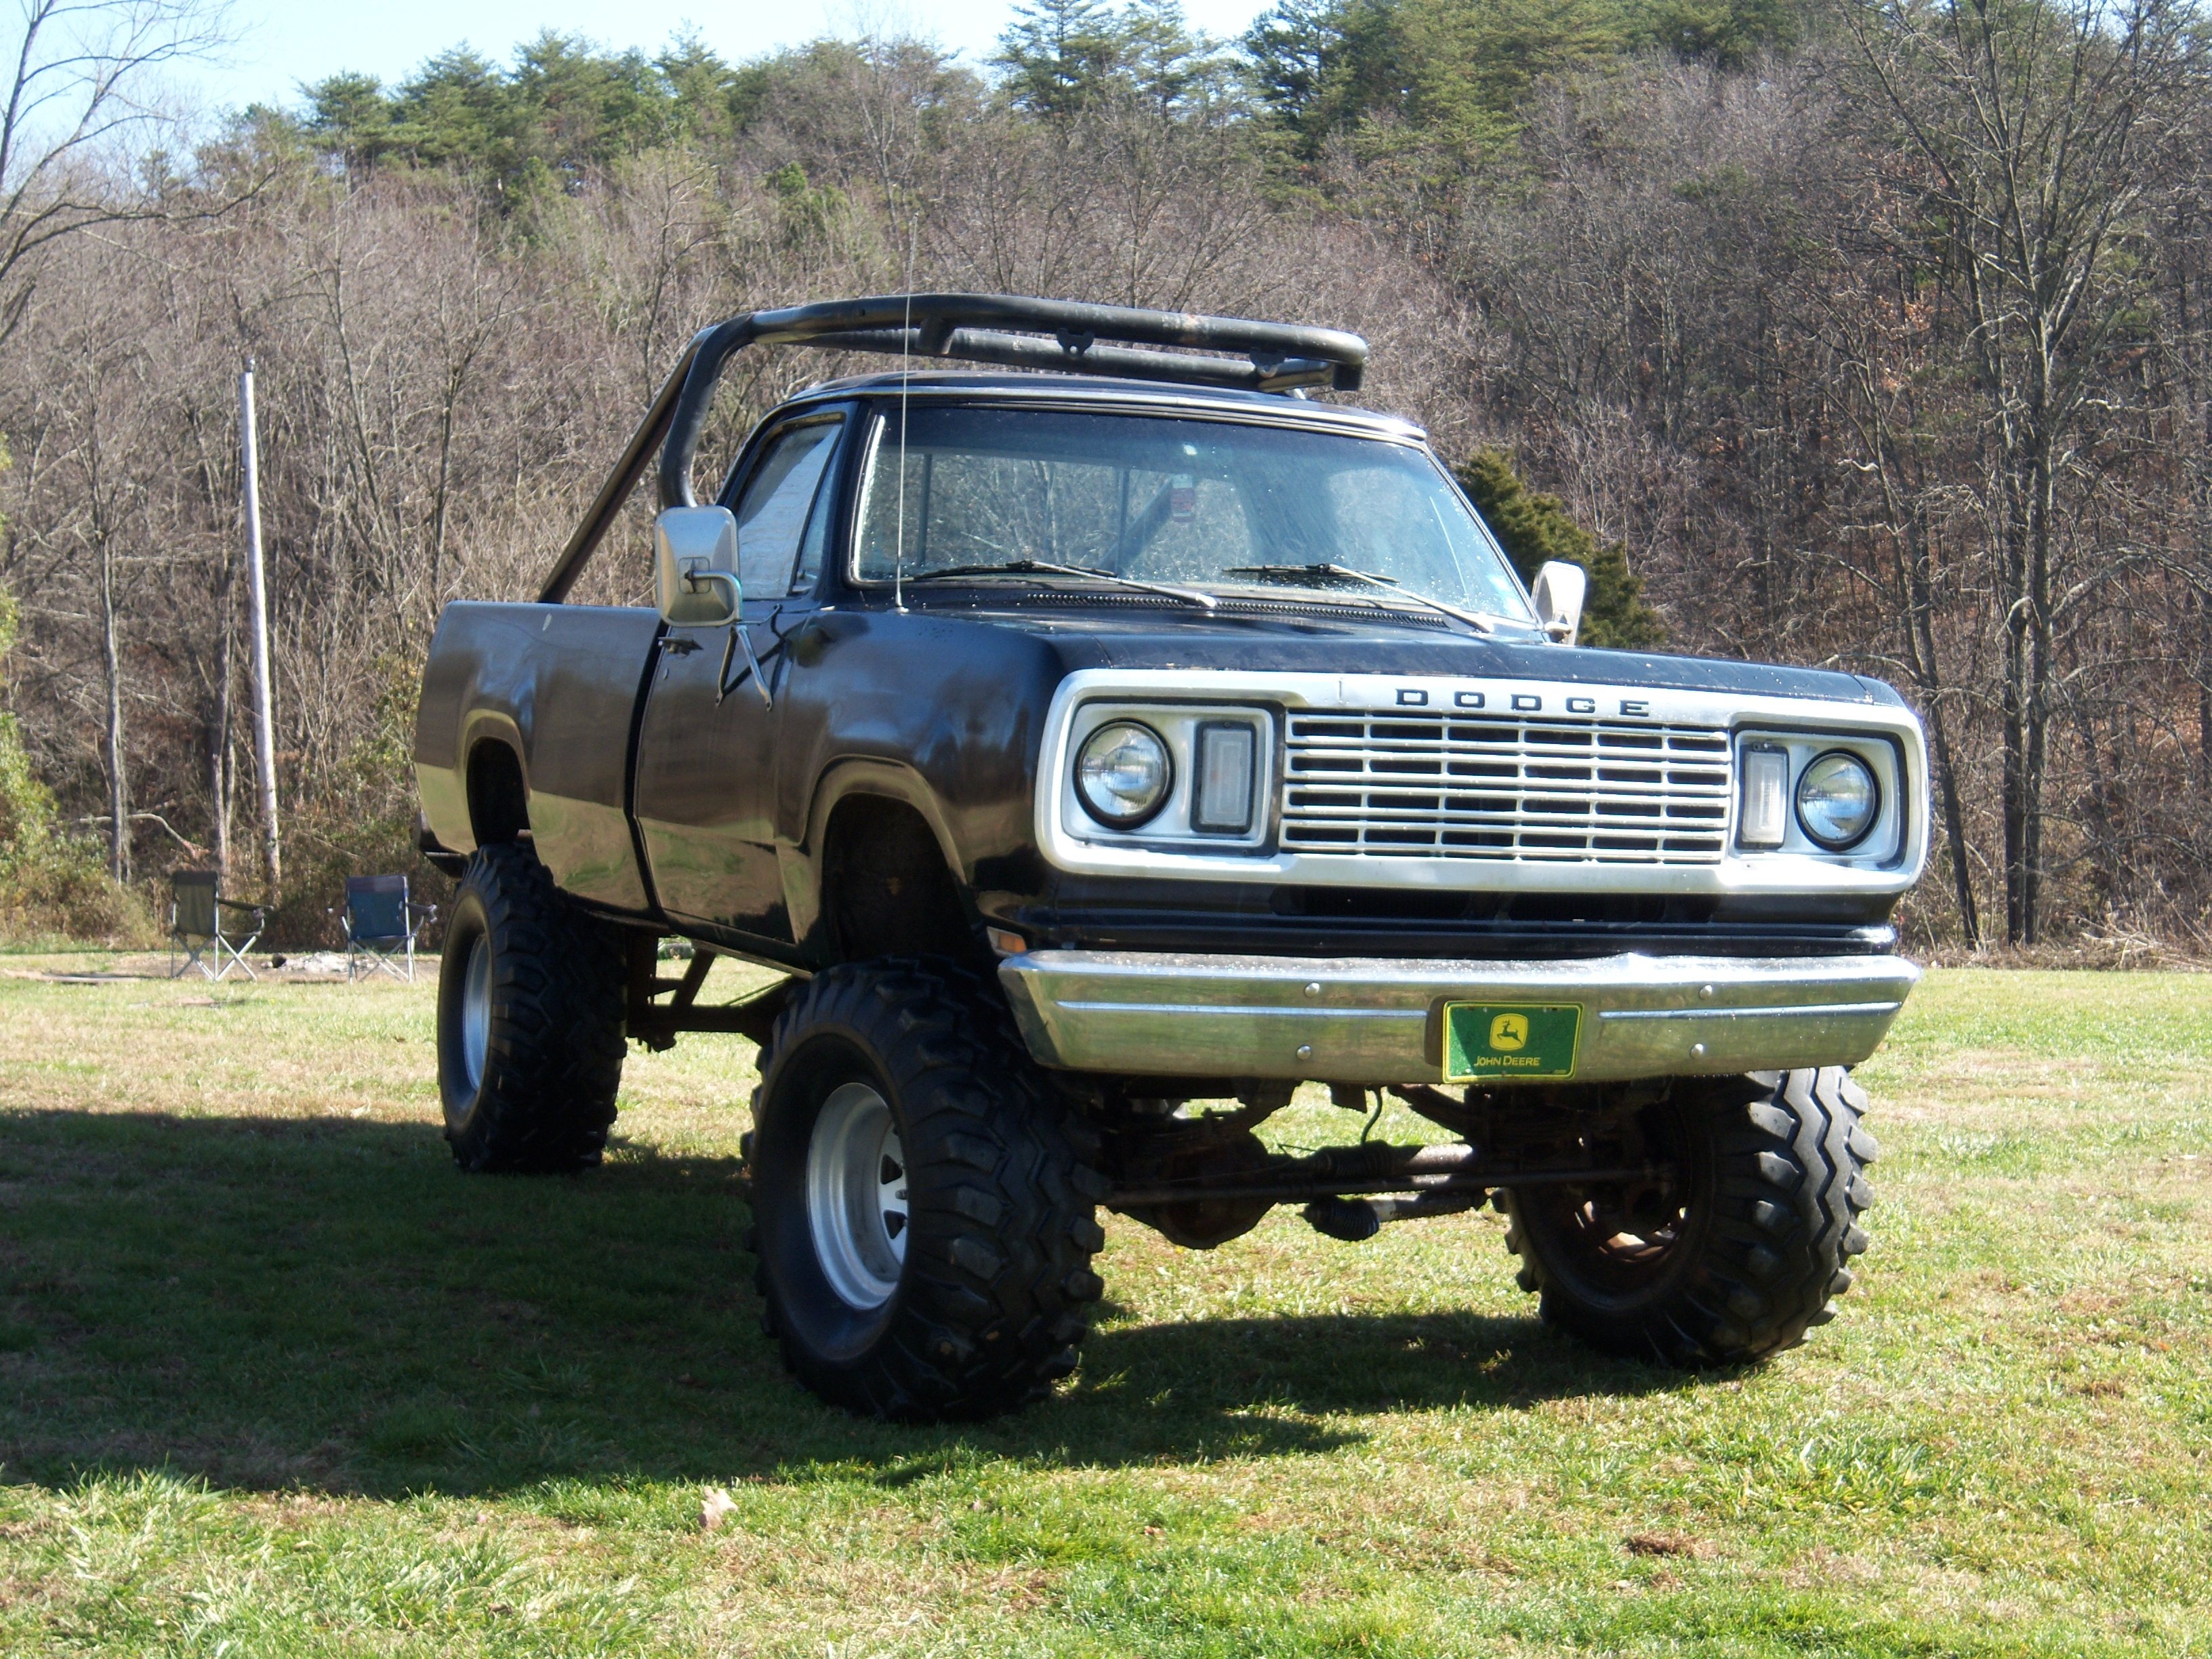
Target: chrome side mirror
1558,591
694,566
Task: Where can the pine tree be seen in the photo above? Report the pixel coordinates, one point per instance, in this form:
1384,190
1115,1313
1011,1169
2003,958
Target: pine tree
350,117
1062,56
1058,56
1534,529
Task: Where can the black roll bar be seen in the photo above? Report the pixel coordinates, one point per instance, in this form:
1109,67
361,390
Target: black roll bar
1002,329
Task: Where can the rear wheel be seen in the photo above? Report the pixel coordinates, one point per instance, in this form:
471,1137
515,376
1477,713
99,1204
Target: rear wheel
924,1222
1737,1251
530,1021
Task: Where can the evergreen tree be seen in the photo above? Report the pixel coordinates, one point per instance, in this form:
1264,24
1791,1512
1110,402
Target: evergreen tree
703,89
1327,66
1475,61
455,112
1291,53
350,117
1168,65
1060,58
1725,32
1534,529
1446,75
576,109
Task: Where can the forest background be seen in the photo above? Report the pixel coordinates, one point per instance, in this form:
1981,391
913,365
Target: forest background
1870,333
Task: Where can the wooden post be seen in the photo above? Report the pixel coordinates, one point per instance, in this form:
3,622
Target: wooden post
264,736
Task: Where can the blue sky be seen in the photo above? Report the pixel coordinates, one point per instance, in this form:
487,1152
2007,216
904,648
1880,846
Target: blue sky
284,43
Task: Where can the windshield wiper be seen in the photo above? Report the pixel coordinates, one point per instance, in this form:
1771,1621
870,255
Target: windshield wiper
1045,568
1342,572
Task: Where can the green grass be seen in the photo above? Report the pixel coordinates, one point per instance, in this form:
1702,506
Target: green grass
275,1379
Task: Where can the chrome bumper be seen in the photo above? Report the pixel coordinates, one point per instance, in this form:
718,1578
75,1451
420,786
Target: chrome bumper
1383,1021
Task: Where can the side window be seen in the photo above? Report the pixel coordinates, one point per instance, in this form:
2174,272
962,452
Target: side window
772,515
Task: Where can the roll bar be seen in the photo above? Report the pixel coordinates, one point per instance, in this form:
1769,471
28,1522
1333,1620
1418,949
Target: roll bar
1002,329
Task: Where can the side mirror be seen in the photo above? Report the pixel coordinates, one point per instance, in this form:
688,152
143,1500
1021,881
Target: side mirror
1558,591
694,566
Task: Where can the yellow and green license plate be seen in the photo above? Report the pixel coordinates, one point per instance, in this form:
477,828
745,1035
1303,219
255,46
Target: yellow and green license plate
1486,1039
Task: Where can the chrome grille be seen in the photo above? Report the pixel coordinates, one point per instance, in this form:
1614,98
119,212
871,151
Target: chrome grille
1494,786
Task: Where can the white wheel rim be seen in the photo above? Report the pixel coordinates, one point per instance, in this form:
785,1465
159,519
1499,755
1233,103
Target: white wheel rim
475,1011
856,1202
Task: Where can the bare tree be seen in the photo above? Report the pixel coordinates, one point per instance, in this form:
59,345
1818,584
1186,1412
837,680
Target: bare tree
1886,358
2024,129
83,90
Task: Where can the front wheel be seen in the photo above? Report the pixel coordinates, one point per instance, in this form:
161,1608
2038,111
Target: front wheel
924,1224
1731,1254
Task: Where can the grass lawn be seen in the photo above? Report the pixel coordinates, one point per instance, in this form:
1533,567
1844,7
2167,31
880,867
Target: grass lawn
276,1379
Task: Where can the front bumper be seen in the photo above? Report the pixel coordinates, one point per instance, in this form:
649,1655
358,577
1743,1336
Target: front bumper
1381,1021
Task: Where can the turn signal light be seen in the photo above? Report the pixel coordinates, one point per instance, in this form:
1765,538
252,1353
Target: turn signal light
1227,753
1763,812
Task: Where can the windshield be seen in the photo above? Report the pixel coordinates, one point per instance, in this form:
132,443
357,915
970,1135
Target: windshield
1206,505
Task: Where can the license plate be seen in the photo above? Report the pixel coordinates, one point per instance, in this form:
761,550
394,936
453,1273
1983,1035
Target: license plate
1510,1040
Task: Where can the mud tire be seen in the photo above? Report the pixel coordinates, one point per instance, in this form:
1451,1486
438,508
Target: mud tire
549,1059
1775,1166
993,1294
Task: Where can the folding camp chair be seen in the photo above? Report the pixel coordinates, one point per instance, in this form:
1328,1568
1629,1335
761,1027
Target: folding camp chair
381,925
197,926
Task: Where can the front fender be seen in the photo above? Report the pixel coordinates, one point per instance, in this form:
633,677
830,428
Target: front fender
942,714
801,863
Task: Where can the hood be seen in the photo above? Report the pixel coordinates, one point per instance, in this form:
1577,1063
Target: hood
1147,637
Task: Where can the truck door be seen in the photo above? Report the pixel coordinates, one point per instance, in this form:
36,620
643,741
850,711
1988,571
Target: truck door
705,766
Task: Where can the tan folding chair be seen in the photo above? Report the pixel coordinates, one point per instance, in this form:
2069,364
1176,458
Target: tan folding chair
197,926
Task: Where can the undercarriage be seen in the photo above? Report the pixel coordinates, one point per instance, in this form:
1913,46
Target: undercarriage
1202,1178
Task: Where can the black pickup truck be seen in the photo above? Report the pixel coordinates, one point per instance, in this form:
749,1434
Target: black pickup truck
1102,743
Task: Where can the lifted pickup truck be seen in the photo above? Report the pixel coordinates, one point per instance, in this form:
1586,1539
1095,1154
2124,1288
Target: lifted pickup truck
1100,753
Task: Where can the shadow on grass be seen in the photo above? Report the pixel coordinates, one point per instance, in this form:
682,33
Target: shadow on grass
328,1304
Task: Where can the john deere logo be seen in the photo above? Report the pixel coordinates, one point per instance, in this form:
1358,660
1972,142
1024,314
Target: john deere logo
1501,1040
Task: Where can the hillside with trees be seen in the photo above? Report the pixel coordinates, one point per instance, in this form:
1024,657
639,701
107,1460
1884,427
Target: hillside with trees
1870,333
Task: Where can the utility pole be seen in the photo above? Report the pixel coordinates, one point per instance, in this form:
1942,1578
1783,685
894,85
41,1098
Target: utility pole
264,736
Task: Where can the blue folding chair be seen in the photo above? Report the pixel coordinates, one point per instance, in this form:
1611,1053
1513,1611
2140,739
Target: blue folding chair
197,926
381,926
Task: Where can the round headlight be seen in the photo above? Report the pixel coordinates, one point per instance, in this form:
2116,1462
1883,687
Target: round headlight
1122,774
1837,799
